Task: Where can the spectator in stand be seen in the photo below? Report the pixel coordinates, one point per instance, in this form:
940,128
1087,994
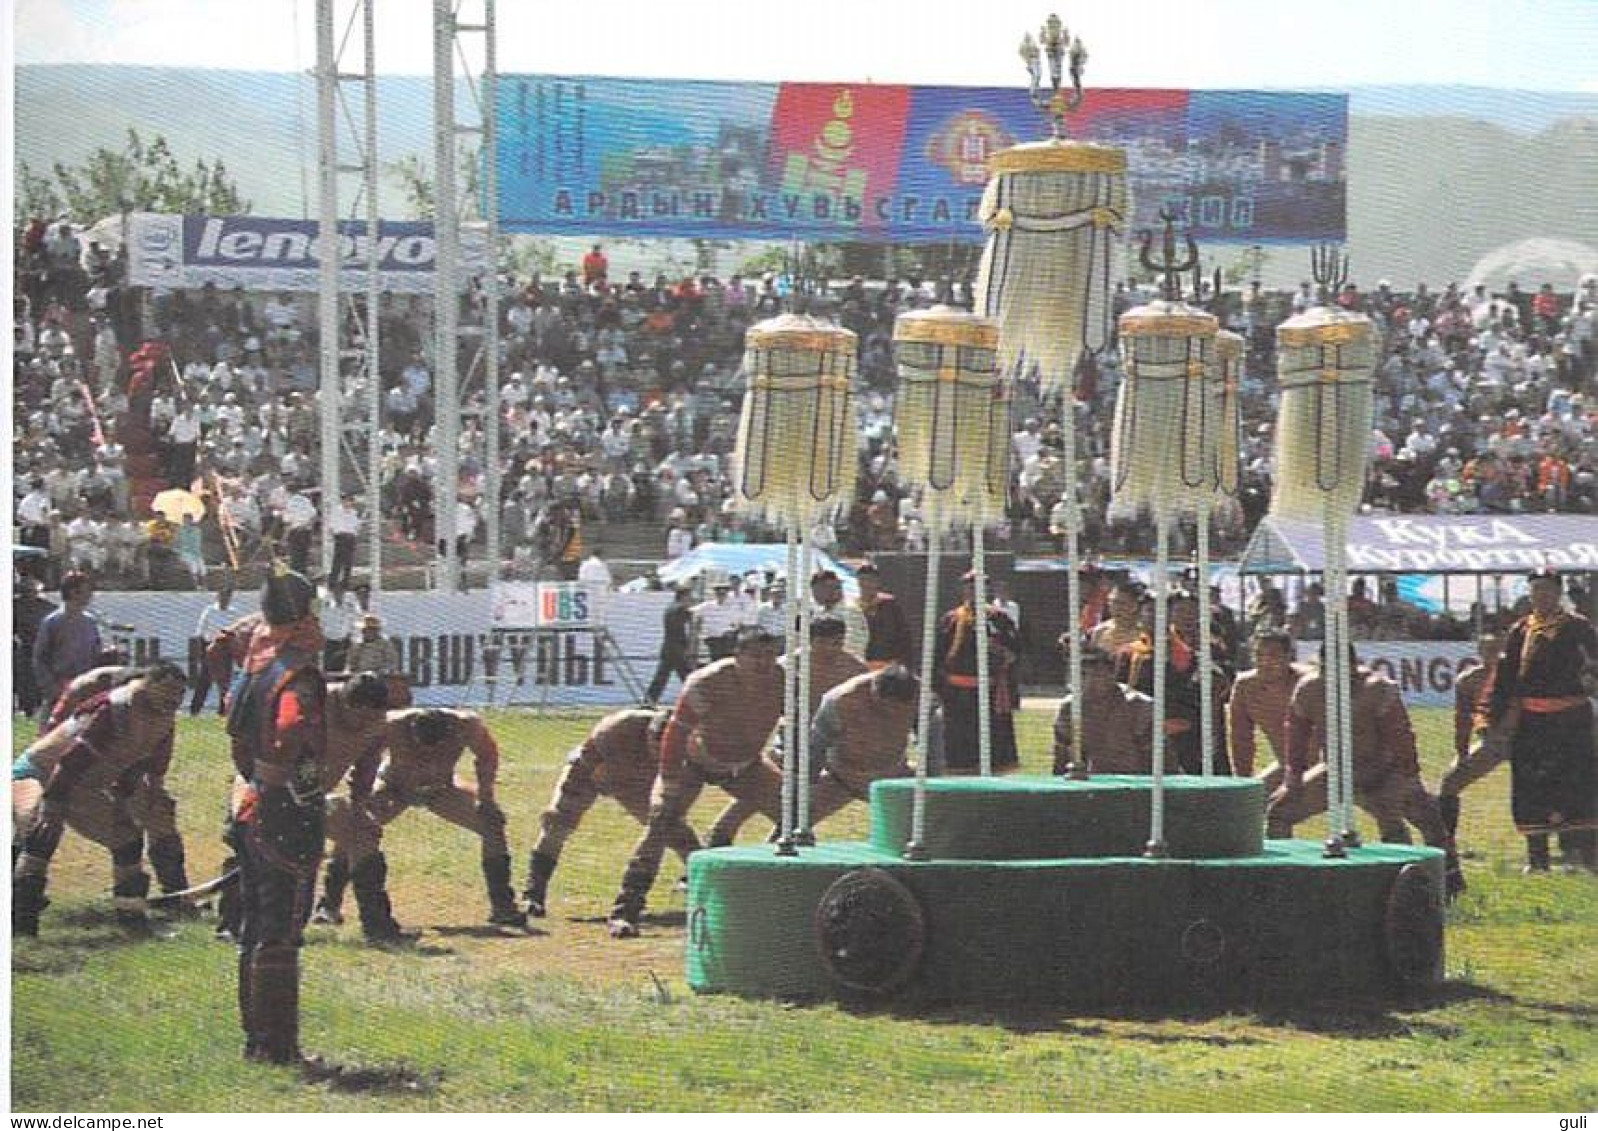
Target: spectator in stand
595,267
344,523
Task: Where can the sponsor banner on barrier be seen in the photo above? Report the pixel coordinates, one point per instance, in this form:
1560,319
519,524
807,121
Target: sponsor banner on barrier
903,164
548,604
263,254
455,655
1432,544
449,646
1424,670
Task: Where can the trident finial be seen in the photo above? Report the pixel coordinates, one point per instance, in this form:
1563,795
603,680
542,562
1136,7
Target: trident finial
1329,270
1169,266
1057,44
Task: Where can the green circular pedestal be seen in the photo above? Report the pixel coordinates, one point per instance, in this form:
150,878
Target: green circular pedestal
1036,890
1286,924
1050,818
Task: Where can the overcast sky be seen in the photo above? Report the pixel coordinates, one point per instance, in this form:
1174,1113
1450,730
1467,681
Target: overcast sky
1547,45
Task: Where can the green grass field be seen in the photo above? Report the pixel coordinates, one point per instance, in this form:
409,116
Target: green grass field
562,1018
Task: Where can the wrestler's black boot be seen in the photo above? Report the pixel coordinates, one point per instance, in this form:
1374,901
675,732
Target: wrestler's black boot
253,1046
274,1009
330,908
503,911
629,908
1577,850
370,880
1536,854
168,861
27,902
540,866
129,896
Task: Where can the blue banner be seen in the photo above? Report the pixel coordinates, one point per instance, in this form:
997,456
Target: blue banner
836,161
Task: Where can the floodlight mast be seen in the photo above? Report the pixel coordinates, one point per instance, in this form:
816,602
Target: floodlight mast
446,312
348,421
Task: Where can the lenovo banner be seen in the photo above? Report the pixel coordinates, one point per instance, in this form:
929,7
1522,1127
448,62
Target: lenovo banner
283,255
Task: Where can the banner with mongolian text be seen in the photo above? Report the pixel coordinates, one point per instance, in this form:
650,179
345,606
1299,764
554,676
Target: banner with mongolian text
449,647
900,164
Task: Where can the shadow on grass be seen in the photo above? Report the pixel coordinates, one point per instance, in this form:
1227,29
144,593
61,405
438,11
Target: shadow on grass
411,948
70,938
664,920
1354,1019
488,931
370,1079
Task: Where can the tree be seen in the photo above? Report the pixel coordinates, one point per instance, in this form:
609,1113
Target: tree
415,179
141,177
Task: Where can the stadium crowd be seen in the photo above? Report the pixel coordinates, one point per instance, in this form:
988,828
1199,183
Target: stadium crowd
619,406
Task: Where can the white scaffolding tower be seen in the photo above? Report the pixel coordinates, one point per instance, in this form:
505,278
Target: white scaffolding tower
351,386
455,44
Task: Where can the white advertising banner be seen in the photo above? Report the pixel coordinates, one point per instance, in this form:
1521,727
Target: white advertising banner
449,647
265,254
1423,670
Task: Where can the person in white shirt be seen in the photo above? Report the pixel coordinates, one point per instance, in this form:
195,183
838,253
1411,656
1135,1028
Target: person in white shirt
339,614
514,393
299,520
1027,442
85,544
33,514
679,538
213,619
716,621
595,576
1005,602
183,436
1420,443
826,594
344,523
281,318
416,377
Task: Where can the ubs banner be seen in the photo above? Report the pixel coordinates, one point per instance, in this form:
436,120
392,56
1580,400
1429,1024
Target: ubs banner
903,164
448,646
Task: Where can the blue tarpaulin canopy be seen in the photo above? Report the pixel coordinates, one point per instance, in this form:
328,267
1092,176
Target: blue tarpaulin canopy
1431,543
736,559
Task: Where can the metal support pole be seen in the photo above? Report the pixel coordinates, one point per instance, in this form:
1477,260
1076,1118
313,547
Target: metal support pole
802,834
331,382
1206,668
446,232
979,566
1331,670
790,700
1162,597
374,298
1345,690
491,466
917,848
1073,587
